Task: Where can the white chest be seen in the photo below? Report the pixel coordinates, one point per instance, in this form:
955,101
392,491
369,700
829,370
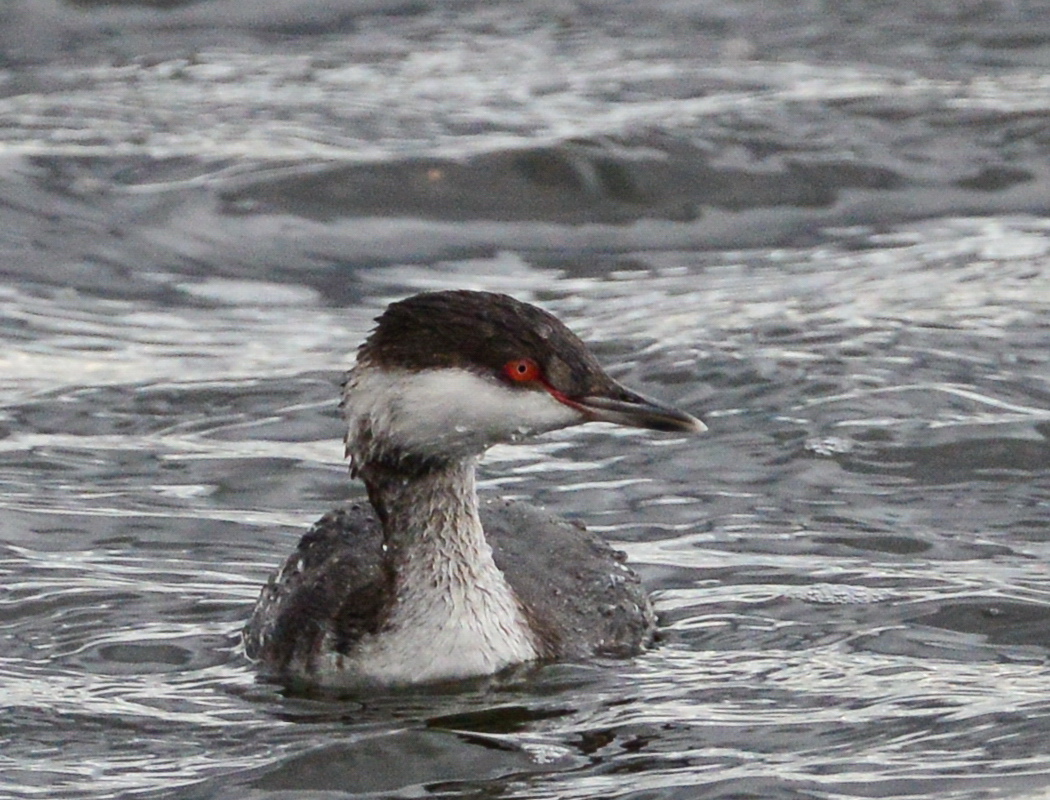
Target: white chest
453,615
442,631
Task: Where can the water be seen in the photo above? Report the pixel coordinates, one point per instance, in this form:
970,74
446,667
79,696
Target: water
822,229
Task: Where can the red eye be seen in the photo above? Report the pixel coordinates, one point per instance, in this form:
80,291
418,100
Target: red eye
522,369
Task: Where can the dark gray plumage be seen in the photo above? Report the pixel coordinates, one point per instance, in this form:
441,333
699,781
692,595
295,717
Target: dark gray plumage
428,584
579,594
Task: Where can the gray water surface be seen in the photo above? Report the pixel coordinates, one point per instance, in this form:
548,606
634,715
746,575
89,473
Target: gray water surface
824,231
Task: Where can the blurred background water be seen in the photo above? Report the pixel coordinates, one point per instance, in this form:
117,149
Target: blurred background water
822,226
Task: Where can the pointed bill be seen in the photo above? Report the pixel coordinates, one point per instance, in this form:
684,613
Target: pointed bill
624,407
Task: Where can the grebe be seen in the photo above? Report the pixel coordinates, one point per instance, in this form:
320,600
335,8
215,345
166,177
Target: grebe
427,585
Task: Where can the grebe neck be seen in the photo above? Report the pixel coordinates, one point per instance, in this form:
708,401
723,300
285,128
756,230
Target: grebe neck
450,601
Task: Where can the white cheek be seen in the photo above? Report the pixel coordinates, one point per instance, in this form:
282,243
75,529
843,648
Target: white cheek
448,410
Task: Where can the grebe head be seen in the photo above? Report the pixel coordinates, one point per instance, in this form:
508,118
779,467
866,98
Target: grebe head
445,375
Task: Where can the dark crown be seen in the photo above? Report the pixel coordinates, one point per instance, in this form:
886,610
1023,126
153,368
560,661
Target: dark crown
480,332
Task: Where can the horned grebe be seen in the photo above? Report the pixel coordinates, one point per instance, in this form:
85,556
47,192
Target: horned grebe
427,585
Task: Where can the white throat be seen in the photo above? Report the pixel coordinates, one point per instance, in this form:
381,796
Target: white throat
414,437
444,413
